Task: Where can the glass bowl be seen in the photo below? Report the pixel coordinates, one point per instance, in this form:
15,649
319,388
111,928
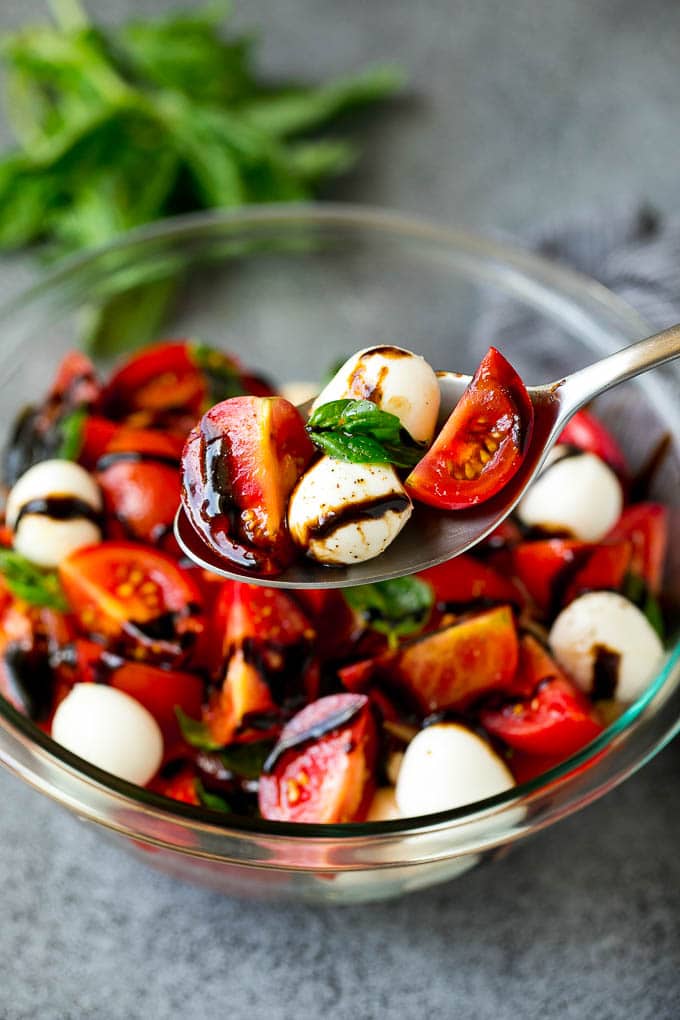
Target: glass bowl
290,290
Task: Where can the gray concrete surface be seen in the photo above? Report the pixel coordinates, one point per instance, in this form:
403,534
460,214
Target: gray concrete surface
519,110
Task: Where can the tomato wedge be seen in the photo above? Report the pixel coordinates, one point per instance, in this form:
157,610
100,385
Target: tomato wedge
464,580
646,526
588,433
452,667
482,444
138,473
238,468
266,644
556,721
136,598
170,384
554,571
322,769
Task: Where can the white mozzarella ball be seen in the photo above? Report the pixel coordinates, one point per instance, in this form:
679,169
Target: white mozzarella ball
446,766
111,730
44,539
383,807
347,513
593,630
47,542
578,494
397,381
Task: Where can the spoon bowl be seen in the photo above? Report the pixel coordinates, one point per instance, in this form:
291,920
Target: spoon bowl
434,536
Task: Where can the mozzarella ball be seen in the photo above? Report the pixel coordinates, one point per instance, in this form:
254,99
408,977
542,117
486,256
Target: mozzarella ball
111,730
397,381
383,807
446,766
347,513
40,535
603,641
578,494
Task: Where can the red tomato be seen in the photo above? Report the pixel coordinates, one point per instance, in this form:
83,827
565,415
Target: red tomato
645,525
266,641
161,691
172,383
75,383
139,477
323,769
158,379
482,444
588,433
133,596
244,693
181,786
249,612
464,580
557,720
454,666
239,467
555,570
96,435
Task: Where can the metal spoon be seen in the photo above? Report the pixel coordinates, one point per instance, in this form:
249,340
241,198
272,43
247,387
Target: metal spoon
433,536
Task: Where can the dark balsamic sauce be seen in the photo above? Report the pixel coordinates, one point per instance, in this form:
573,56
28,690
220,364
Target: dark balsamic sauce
59,508
563,579
356,513
642,483
30,679
334,721
605,673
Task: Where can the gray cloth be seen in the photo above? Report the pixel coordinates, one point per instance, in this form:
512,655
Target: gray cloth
631,249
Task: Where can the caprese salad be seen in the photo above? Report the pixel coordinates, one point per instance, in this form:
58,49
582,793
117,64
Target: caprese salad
383,701
260,486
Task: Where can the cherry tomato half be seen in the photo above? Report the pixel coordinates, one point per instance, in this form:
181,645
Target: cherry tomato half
138,473
646,526
482,444
322,769
133,597
556,721
238,469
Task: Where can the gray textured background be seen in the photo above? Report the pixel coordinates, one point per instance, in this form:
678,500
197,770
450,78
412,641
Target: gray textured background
521,109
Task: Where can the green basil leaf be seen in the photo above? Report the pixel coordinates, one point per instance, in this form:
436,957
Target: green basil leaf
360,432
71,429
195,732
635,588
396,608
246,760
211,800
30,583
296,110
353,449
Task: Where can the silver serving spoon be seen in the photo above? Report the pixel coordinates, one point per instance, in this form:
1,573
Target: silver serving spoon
433,536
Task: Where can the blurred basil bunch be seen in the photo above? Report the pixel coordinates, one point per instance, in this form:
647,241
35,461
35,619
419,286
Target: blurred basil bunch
119,127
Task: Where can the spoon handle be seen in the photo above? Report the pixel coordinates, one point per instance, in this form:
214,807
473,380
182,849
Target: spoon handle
580,387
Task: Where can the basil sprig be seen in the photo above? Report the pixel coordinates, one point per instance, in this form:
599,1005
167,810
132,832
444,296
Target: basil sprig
397,608
30,583
358,431
635,589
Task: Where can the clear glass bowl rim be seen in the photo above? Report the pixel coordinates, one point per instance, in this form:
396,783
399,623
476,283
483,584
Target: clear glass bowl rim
565,296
